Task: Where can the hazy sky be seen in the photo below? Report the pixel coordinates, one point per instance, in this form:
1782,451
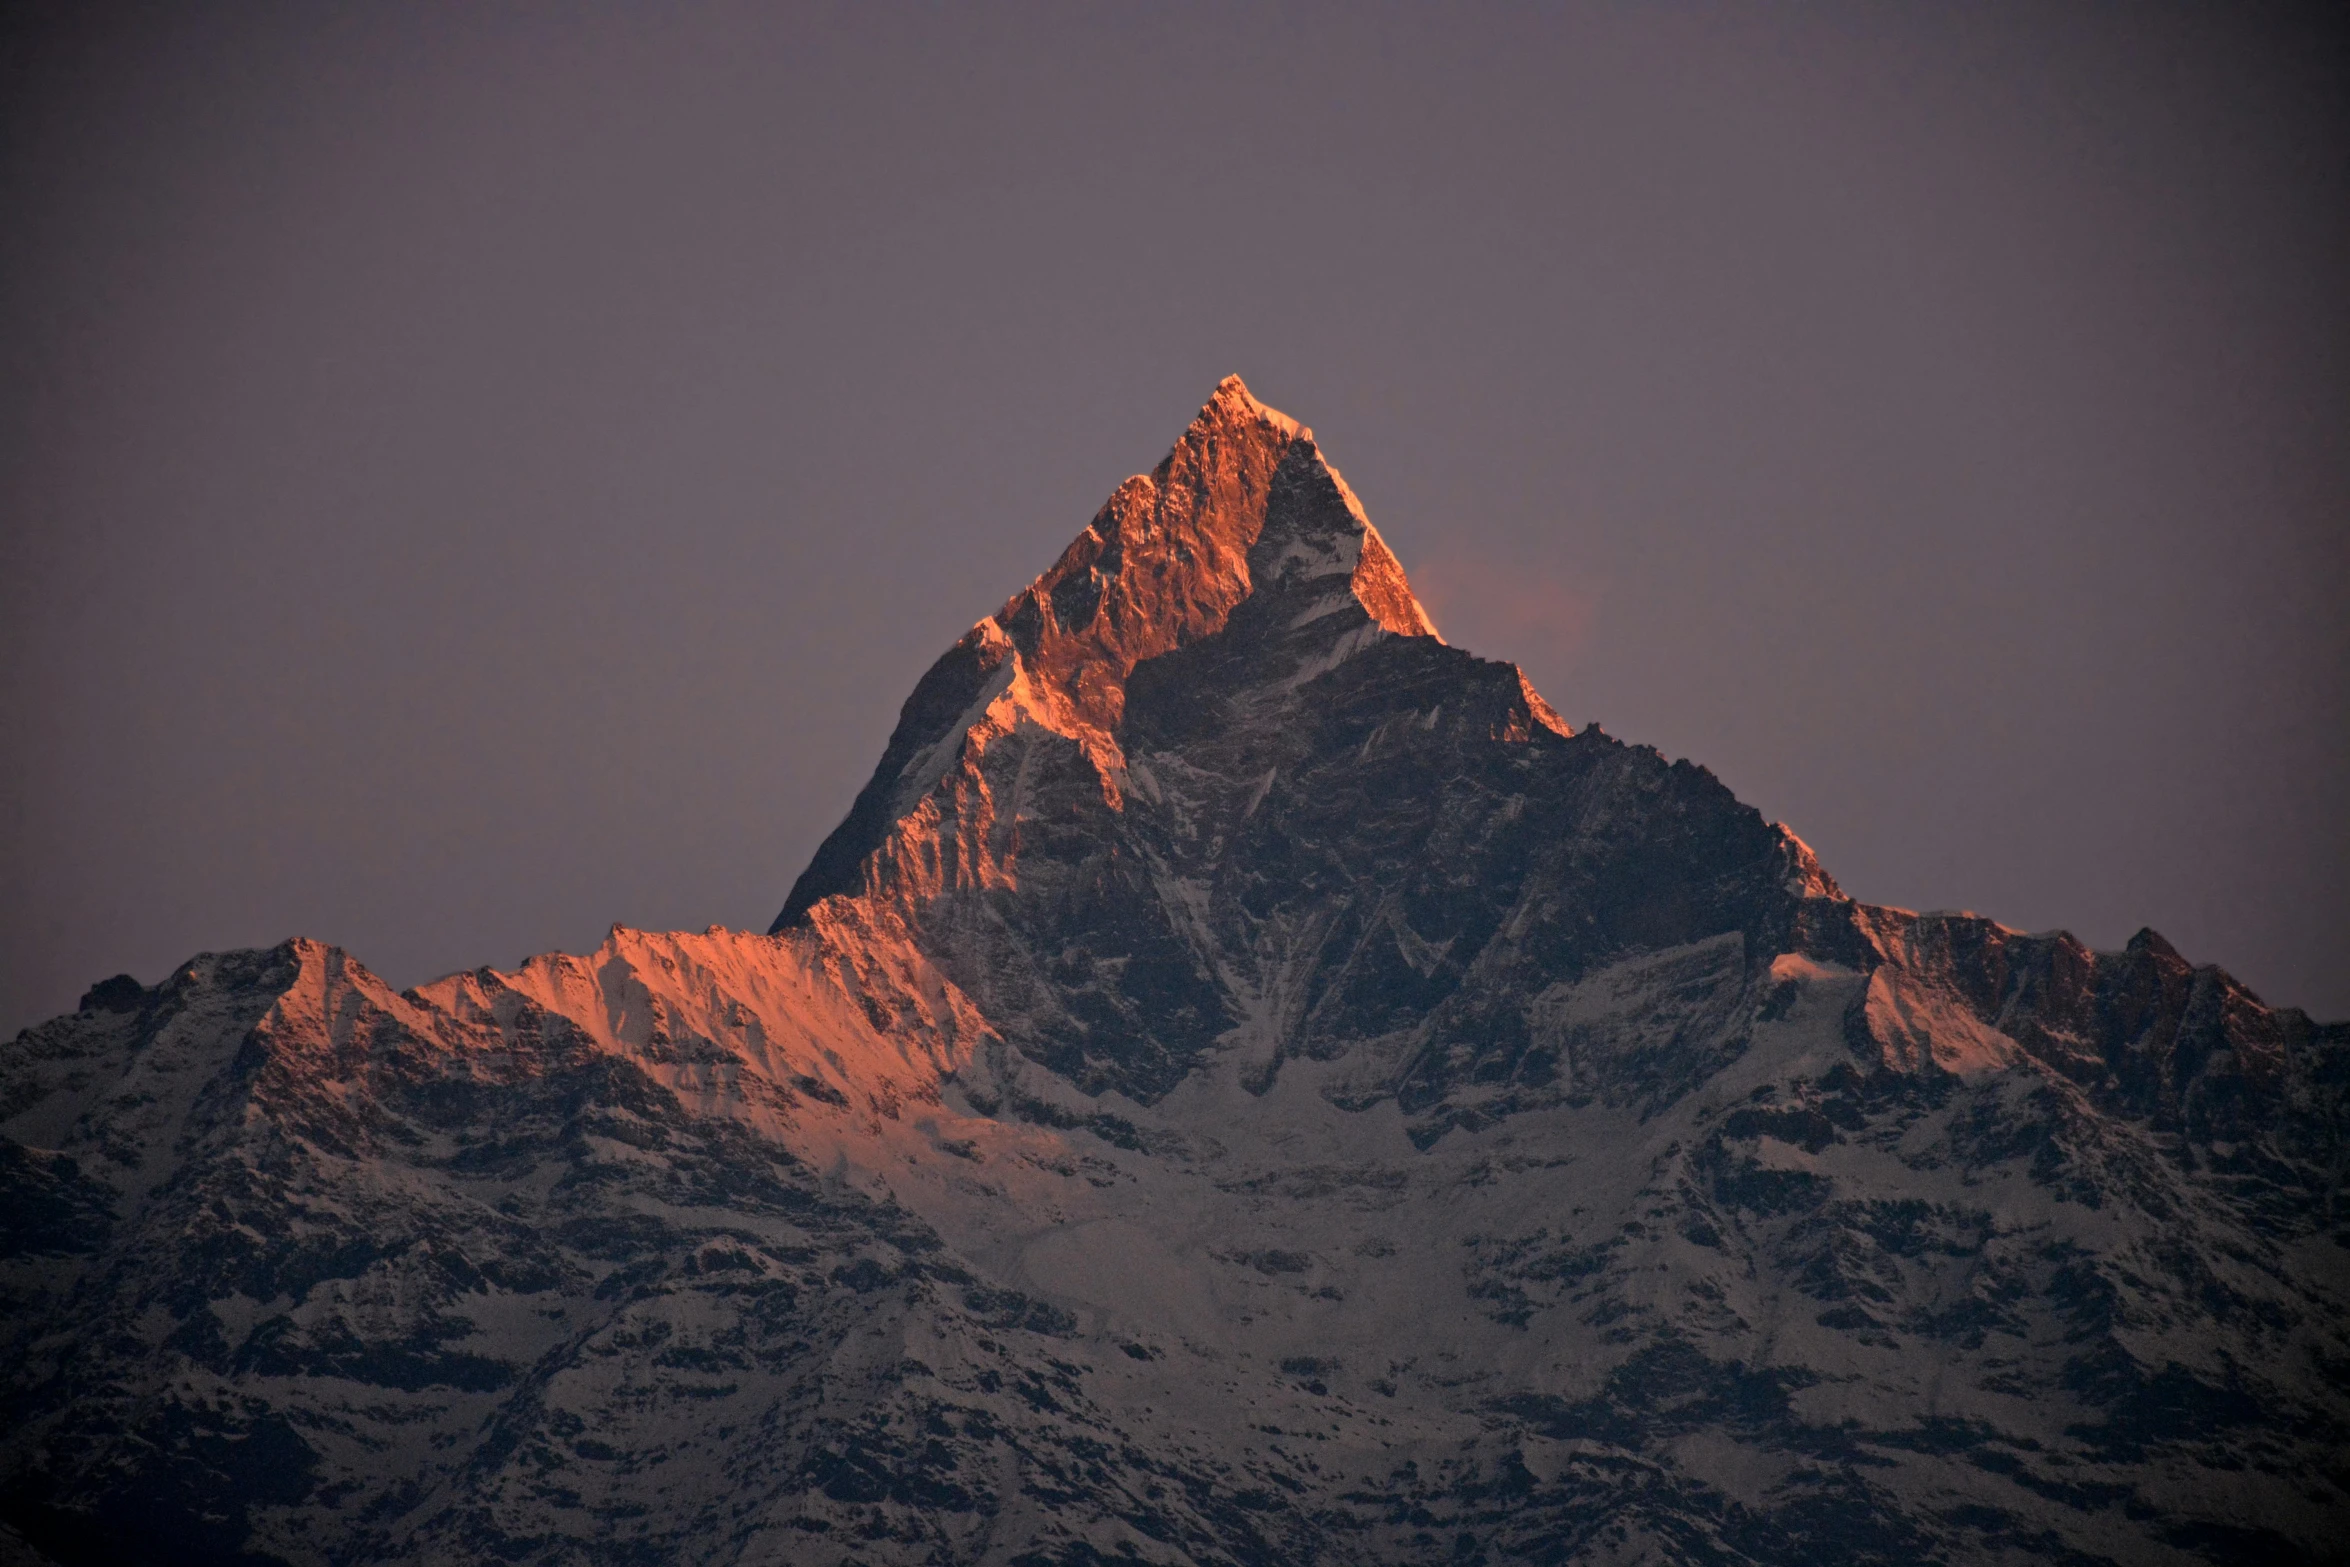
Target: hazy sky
472,474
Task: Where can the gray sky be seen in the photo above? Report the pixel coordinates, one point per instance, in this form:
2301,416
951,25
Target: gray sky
471,475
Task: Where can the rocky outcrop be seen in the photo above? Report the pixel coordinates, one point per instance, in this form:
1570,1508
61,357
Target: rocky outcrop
1246,1083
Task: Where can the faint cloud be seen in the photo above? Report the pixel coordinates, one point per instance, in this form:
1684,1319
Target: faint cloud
1536,614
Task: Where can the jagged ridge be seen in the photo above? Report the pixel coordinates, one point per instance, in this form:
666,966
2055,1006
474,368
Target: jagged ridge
1245,1084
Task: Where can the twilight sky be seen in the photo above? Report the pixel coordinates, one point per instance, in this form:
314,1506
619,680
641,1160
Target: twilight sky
469,475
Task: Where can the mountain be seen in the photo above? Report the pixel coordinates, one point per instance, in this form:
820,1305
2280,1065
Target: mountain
1246,1083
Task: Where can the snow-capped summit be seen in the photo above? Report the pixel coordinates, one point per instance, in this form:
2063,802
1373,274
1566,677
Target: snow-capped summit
1245,1084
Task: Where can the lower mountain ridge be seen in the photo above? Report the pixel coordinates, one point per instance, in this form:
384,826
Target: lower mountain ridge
1246,1083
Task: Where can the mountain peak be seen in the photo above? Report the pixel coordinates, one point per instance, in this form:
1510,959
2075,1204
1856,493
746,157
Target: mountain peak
1244,532
1244,503
1232,394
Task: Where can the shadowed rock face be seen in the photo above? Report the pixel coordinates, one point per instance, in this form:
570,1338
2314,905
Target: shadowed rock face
1245,1084
1197,782
1213,785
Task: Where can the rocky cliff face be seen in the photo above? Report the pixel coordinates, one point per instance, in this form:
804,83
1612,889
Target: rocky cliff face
1246,1083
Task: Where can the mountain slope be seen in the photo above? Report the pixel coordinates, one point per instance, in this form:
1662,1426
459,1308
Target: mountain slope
1245,1083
